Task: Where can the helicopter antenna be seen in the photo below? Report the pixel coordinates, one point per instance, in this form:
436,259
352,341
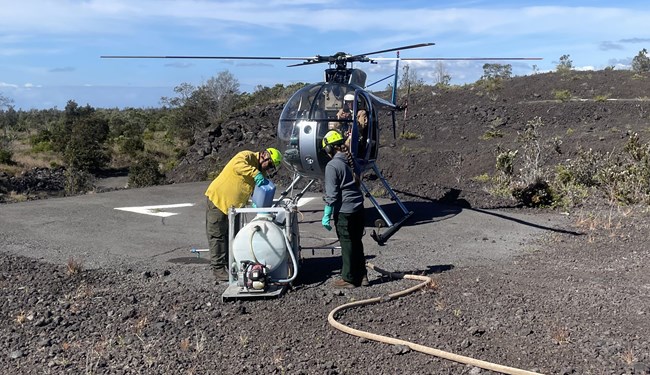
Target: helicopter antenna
408,97
394,95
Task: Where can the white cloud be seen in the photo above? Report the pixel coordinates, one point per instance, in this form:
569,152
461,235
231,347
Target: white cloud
39,37
66,16
609,45
6,52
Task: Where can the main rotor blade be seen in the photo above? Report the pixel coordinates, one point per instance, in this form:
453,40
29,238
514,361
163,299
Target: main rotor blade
308,63
396,49
469,58
207,57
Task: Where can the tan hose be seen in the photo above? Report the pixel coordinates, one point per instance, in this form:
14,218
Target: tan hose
420,348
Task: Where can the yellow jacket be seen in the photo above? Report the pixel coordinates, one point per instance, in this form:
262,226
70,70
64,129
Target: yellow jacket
235,183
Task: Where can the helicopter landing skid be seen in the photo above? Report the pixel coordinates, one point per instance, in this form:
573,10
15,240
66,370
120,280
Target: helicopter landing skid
391,227
381,238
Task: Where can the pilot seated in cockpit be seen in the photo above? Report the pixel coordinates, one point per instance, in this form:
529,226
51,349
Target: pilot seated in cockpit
345,114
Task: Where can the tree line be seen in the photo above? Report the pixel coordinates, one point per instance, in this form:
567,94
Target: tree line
90,140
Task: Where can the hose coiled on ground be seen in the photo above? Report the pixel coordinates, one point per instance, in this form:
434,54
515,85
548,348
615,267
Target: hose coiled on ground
425,280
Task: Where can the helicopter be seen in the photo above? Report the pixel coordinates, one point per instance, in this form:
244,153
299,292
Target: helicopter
315,109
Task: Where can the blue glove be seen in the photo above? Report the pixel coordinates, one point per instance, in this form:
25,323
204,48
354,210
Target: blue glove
326,217
260,180
253,205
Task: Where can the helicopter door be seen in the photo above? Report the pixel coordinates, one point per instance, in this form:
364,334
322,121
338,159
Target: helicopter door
308,139
373,134
363,128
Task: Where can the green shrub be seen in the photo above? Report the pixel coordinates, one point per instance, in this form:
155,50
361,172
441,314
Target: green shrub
483,178
641,62
563,175
624,178
582,170
78,181
492,133
43,146
180,153
131,145
537,194
409,135
567,193
170,164
506,162
565,65
500,186
494,75
535,150
42,136
85,155
145,172
636,149
575,180
491,84
5,156
148,135
562,95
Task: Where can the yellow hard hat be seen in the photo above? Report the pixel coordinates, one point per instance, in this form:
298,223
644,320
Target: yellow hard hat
276,156
332,137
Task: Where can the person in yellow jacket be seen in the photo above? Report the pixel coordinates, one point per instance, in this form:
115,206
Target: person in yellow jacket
232,188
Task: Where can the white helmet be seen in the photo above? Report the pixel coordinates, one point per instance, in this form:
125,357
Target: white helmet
348,97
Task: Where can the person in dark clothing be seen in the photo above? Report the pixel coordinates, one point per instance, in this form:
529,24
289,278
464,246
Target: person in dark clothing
344,202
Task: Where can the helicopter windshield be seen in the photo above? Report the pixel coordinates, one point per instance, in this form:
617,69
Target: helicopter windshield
305,119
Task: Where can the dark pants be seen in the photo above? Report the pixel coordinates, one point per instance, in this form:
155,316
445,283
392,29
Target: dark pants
216,227
349,229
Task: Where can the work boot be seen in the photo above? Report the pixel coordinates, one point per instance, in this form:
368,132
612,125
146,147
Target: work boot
342,284
220,274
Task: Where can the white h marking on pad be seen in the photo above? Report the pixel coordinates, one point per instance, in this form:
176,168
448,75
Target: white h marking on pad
155,210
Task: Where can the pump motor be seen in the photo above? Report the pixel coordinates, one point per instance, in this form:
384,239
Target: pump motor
253,276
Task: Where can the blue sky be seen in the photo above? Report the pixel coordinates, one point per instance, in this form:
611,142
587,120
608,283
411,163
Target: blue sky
49,49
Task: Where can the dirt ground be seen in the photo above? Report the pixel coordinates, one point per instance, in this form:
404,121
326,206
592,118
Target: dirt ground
575,302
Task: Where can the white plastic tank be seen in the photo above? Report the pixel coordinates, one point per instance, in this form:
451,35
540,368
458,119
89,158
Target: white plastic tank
261,241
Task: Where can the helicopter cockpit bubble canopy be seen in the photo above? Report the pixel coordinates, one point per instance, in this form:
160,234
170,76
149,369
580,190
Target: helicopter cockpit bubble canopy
314,110
303,124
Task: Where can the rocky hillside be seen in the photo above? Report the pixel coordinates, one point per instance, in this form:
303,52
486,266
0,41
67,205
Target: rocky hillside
455,133
251,129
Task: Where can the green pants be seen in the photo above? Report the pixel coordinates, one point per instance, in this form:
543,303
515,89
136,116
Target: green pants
349,229
216,227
